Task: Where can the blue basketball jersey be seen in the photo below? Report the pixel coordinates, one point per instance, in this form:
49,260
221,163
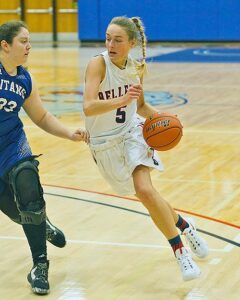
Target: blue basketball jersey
14,90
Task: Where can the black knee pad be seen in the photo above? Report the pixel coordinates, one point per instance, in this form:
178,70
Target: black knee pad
28,192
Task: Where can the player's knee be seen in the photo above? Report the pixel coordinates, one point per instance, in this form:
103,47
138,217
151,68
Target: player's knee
145,193
28,192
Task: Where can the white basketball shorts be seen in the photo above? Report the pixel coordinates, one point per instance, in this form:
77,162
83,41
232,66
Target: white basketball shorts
117,157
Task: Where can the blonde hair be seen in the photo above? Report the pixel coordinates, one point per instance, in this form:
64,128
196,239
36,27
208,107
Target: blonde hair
135,30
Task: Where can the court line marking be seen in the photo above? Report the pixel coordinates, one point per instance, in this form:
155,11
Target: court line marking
141,213
206,52
213,131
221,204
189,181
196,294
229,247
105,243
215,261
136,200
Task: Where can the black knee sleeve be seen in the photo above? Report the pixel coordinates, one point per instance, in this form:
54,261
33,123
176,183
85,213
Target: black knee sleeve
28,192
8,205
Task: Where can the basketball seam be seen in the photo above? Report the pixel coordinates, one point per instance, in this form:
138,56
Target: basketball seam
175,118
163,131
168,143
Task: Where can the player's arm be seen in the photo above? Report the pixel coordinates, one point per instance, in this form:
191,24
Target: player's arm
95,73
48,122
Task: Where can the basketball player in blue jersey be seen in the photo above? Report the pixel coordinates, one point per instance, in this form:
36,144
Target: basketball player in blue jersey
113,101
21,194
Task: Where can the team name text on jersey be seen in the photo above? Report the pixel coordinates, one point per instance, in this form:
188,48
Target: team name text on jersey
11,86
113,93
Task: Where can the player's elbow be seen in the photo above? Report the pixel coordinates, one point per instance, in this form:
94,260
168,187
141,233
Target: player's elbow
86,109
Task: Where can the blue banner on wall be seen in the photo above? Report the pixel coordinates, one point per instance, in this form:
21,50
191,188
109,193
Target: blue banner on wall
175,20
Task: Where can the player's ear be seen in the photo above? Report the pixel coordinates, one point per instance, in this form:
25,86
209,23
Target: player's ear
133,43
4,45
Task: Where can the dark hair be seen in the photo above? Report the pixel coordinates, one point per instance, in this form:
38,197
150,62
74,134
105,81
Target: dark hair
10,29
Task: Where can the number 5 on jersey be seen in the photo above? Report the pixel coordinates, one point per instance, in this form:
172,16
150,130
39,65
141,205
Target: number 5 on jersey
121,114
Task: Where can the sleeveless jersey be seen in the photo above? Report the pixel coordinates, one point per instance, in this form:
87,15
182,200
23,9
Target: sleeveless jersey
115,84
14,90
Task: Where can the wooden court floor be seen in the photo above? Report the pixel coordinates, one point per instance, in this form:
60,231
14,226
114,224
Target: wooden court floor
113,250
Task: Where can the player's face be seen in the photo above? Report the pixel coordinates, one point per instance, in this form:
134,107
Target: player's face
118,44
20,47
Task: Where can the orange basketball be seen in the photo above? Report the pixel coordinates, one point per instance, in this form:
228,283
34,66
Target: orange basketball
162,131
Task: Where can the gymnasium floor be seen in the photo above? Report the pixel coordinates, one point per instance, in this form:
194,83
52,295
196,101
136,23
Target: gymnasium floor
114,252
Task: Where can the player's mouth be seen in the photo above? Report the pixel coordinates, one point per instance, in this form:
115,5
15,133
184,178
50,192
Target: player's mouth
112,53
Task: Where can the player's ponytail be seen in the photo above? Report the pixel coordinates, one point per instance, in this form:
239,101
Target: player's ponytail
143,43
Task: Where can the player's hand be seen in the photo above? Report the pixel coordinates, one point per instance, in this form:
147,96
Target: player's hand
79,135
133,93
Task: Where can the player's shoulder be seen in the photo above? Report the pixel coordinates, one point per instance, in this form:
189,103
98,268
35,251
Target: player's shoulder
97,60
96,65
23,70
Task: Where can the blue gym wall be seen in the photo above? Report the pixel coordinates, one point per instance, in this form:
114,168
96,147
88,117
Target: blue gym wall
165,20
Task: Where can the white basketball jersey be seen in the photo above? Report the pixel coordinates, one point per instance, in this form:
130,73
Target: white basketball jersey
114,85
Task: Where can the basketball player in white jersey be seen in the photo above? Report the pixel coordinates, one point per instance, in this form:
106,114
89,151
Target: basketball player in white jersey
113,104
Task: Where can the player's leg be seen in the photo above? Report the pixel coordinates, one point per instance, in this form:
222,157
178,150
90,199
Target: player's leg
162,216
9,207
196,243
187,227
28,194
